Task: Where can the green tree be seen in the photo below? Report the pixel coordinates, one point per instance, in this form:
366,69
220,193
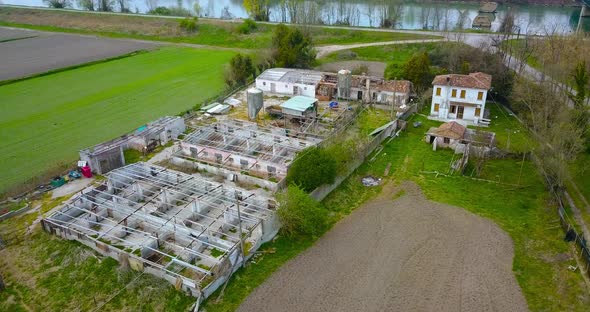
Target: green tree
259,10
417,70
240,69
315,167
580,79
58,4
292,48
300,214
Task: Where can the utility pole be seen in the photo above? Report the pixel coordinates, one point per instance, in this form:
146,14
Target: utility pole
240,230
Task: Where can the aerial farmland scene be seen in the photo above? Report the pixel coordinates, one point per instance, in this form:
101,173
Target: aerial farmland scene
294,155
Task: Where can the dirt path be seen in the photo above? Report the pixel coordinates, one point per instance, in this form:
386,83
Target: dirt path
404,255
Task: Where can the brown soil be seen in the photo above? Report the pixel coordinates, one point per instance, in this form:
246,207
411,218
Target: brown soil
50,51
93,22
375,68
409,254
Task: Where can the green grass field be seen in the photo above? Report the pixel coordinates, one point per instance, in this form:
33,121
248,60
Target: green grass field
209,32
46,120
395,53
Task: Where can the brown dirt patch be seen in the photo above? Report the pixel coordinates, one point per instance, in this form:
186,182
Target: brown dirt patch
50,51
409,254
375,68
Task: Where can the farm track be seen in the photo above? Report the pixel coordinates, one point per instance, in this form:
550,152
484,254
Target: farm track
410,254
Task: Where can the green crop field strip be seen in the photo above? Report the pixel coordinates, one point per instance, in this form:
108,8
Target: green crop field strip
46,120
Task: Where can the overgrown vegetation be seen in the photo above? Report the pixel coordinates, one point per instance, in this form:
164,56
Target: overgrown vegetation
241,70
188,24
292,48
313,167
300,214
247,27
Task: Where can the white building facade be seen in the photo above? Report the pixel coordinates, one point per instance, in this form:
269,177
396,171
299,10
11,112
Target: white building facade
289,82
460,98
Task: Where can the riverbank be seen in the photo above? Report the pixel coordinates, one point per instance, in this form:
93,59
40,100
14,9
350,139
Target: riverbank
210,32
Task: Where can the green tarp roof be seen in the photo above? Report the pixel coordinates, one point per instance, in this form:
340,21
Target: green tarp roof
299,103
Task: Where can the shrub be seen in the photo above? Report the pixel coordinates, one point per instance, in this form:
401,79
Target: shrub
313,168
160,11
247,27
240,69
188,24
292,48
300,214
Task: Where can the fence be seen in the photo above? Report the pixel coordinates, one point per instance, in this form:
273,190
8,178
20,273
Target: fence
322,191
573,235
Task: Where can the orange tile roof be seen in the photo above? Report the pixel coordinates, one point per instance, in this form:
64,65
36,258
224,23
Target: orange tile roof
474,80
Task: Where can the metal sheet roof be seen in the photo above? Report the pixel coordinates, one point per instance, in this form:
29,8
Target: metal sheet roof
299,103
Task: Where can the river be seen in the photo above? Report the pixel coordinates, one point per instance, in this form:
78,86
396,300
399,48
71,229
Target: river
534,19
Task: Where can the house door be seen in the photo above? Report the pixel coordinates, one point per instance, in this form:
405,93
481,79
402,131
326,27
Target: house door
295,90
360,95
478,112
273,88
460,110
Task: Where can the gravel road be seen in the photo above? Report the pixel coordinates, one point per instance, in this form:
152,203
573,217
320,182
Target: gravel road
410,254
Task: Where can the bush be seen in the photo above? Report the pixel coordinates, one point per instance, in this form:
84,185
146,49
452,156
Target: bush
300,214
394,71
241,68
160,11
247,27
188,24
313,168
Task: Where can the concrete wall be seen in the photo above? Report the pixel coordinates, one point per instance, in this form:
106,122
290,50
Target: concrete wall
283,88
321,192
273,186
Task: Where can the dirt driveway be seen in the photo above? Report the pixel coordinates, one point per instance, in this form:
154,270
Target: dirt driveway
404,255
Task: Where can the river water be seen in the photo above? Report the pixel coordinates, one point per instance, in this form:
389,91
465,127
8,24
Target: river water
534,19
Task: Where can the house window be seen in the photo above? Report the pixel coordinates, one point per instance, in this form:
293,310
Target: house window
438,91
454,93
264,83
244,164
304,88
218,157
205,154
463,94
447,140
480,95
194,152
436,106
453,109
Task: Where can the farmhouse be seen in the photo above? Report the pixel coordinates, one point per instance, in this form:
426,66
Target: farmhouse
460,98
173,225
289,82
341,85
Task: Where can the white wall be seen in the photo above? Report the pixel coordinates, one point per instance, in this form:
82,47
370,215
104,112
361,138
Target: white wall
445,98
285,88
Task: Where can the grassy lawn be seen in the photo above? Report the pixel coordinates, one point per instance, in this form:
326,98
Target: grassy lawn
511,135
46,120
522,211
395,53
210,32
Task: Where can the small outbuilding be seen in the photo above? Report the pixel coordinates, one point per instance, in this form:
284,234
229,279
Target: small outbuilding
456,136
300,107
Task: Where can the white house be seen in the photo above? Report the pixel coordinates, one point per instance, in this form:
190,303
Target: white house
460,98
289,82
